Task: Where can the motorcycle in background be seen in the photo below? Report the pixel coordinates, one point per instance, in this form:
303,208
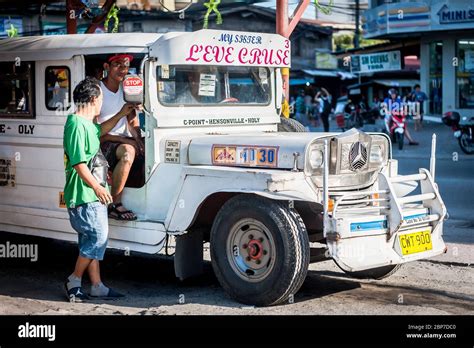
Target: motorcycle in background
463,129
348,115
396,127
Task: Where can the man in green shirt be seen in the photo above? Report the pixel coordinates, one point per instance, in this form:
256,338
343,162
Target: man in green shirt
85,197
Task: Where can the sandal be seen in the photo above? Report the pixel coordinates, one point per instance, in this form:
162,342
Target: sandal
112,295
116,214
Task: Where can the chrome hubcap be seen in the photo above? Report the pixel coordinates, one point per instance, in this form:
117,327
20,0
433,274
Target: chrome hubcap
251,250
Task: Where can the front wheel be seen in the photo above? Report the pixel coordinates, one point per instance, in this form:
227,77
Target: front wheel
466,143
259,250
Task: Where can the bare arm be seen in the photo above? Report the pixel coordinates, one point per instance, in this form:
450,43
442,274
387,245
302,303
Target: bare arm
108,125
85,174
132,119
134,127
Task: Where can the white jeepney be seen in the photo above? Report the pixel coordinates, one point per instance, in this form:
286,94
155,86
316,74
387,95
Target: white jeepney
217,168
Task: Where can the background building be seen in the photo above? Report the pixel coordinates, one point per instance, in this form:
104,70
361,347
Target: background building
445,30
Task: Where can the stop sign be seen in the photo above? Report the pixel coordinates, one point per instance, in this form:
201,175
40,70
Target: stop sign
133,89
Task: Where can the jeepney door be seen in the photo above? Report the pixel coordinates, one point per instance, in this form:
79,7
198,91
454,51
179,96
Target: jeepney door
149,78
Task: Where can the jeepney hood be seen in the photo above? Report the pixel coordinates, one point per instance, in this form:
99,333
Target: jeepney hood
229,149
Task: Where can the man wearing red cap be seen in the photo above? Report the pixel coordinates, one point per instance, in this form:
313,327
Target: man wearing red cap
123,143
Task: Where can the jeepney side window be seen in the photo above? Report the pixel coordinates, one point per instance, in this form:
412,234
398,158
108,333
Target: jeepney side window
57,87
16,89
213,85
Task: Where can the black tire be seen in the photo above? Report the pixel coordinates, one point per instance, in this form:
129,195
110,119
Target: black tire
463,139
290,125
289,260
400,138
374,273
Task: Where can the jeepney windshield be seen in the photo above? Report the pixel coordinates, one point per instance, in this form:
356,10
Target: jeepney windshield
213,85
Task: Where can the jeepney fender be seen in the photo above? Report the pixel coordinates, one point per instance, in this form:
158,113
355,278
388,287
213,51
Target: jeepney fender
197,183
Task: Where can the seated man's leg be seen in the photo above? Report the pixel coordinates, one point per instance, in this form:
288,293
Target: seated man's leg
125,156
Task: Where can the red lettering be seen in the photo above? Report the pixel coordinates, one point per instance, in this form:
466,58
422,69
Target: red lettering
207,54
279,57
285,57
228,55
192,50
268,56
216,50
242,54
256,56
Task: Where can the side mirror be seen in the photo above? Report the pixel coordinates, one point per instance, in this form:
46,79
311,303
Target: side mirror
132,86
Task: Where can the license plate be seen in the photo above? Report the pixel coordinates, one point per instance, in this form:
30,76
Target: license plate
257,156
417,242
251,156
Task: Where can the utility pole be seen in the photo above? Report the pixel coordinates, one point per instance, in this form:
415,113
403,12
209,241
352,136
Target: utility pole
284,27
357,31
71,21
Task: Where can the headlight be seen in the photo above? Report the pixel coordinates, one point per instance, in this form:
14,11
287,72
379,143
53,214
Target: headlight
316,157
376,154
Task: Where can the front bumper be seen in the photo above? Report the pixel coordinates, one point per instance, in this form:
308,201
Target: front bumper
365,233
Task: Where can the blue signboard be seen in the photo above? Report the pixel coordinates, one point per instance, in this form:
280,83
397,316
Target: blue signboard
447,15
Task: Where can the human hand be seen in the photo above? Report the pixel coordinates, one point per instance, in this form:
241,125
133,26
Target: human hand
126,109
103,194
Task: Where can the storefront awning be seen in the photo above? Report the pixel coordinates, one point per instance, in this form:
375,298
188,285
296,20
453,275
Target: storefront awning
358,85
397,83
300,81
343,75
346,75
325,73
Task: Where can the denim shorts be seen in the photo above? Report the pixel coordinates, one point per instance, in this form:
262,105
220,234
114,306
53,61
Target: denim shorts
91,223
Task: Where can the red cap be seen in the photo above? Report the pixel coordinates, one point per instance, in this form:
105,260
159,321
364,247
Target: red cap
110,59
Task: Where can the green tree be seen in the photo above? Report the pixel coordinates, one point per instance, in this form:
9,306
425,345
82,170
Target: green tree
344,42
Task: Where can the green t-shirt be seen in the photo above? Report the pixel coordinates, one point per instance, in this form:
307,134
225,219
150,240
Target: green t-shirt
81,143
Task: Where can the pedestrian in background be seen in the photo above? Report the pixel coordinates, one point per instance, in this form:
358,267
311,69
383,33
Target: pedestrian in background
300,108
419,98
324,98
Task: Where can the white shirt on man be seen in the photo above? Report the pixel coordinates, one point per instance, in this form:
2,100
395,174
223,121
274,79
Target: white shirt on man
111,105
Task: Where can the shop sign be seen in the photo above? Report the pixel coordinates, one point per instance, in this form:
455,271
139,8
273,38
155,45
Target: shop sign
385,61
459,15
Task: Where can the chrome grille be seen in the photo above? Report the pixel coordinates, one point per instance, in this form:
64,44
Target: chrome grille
357,156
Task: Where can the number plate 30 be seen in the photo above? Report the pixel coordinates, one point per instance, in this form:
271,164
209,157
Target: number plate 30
245,156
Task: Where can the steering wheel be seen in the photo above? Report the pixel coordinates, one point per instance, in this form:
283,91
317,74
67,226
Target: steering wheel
229,100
